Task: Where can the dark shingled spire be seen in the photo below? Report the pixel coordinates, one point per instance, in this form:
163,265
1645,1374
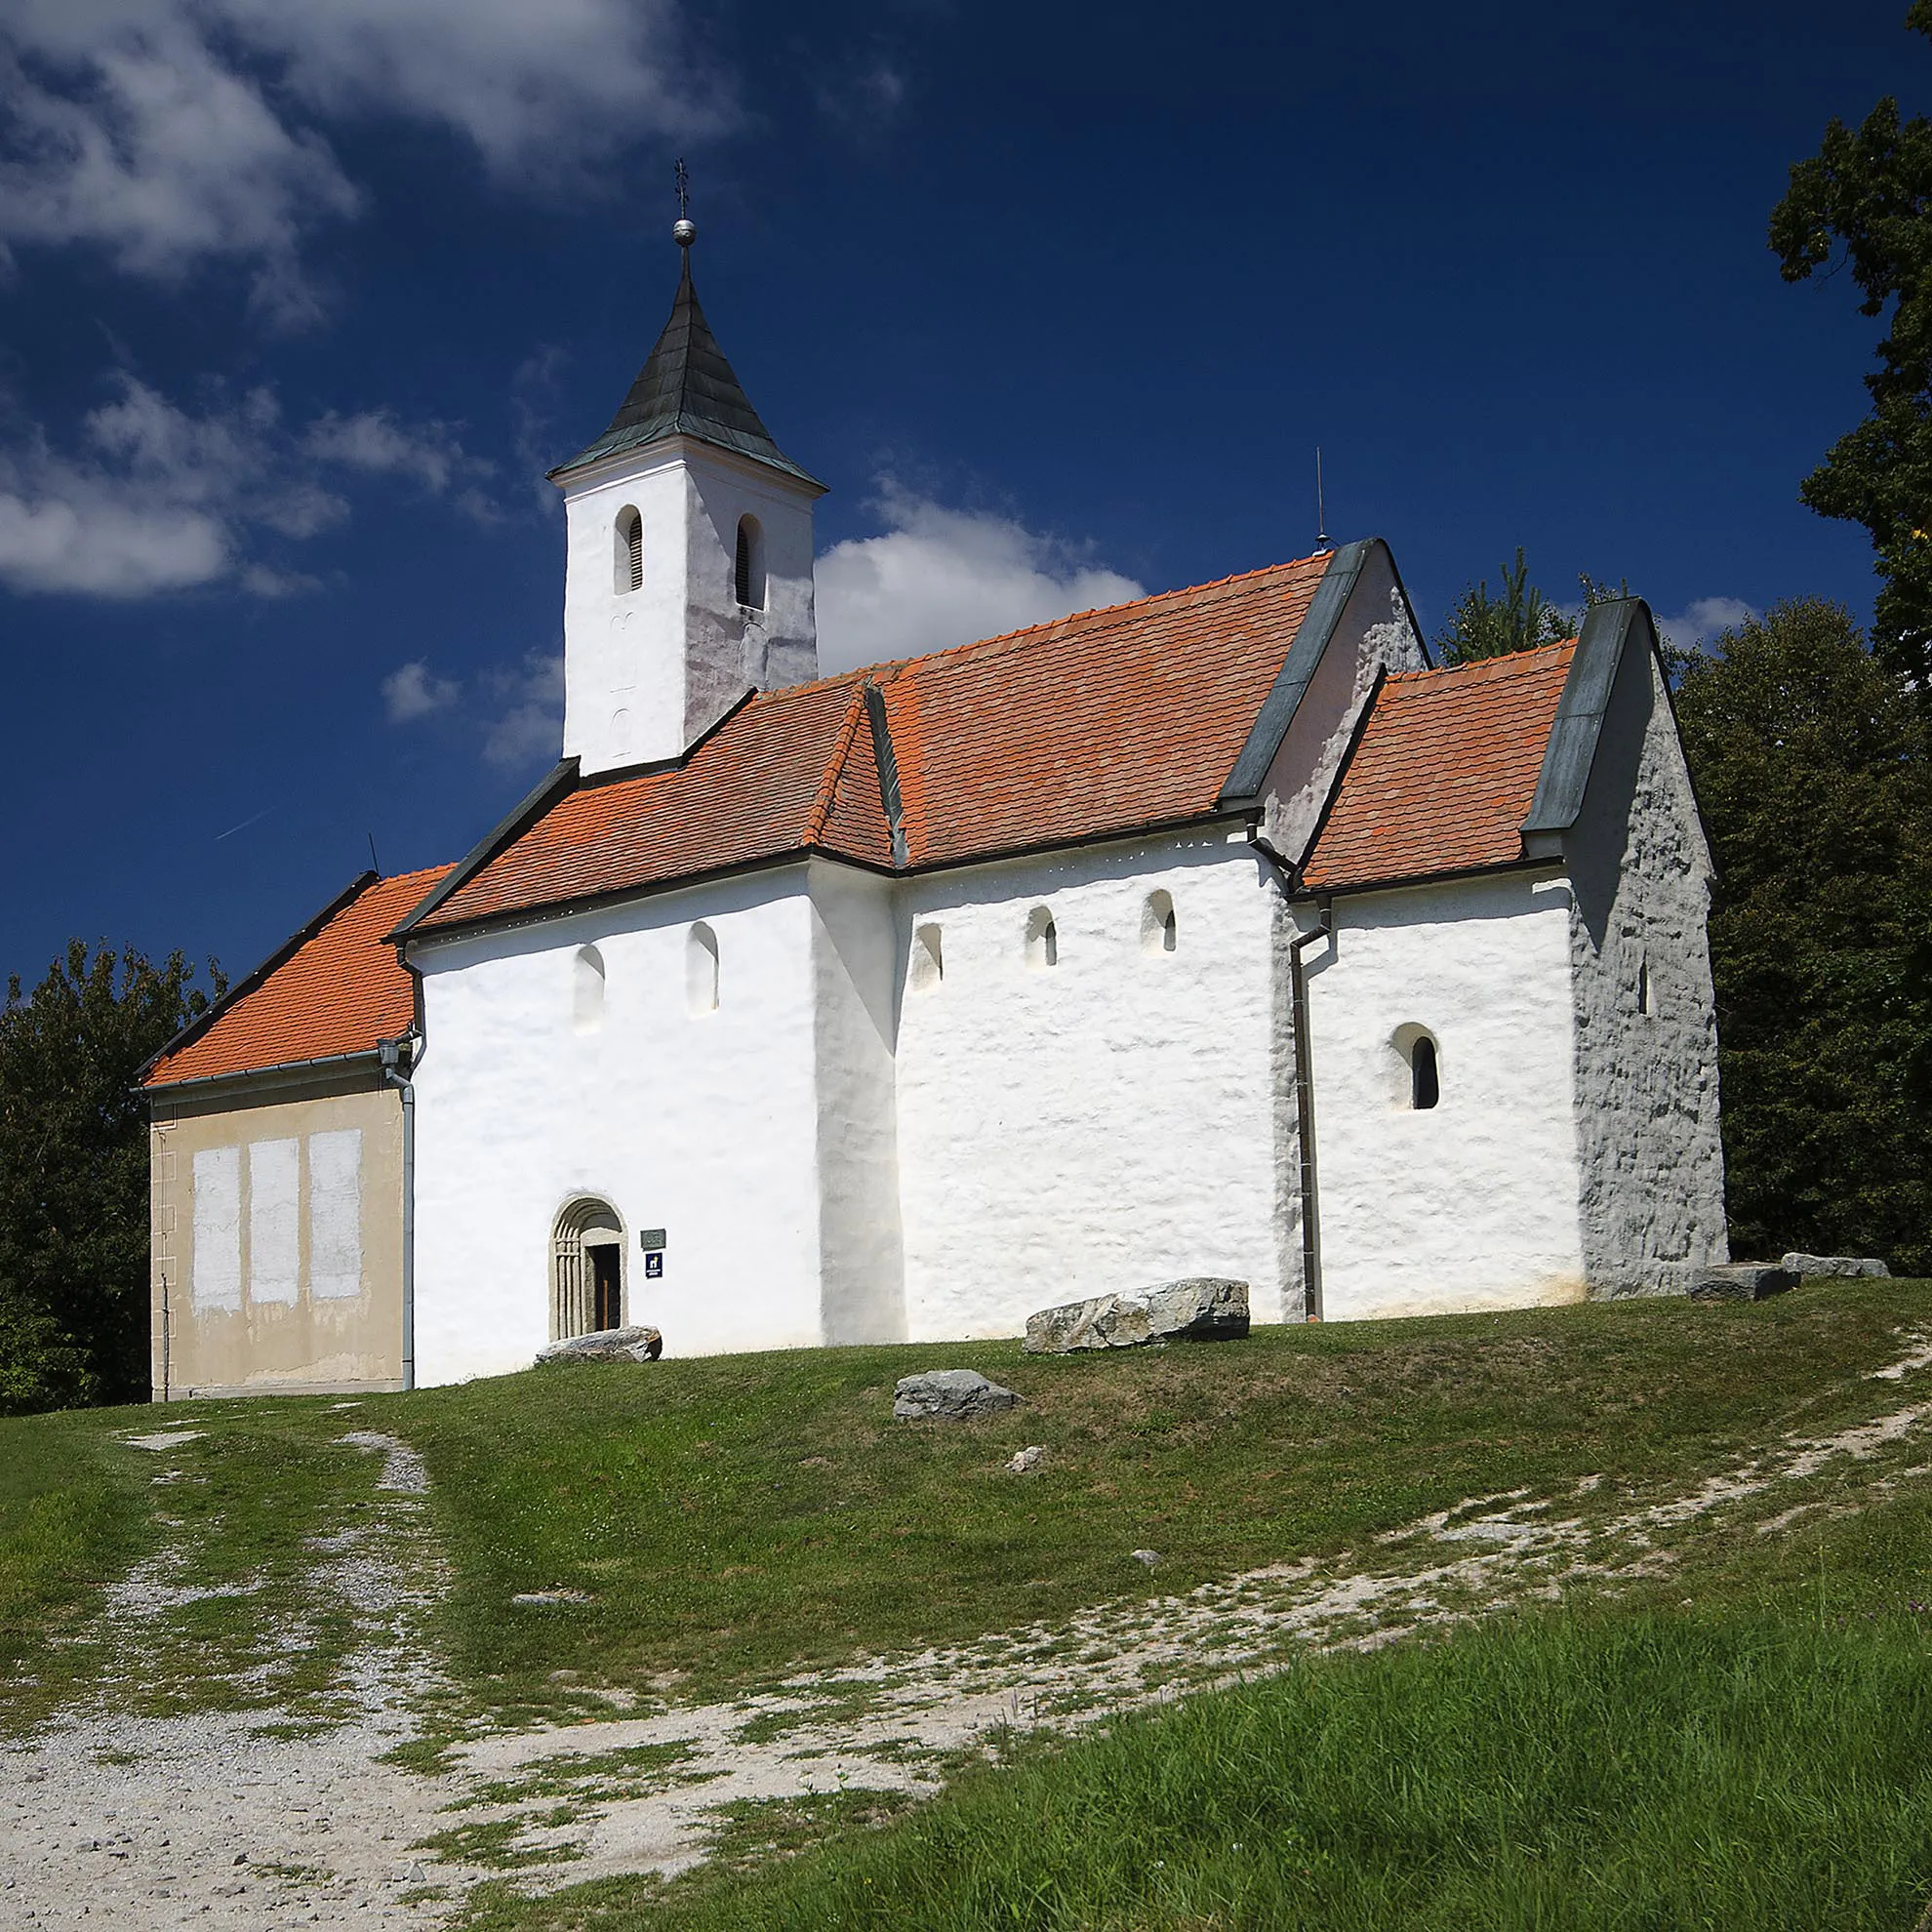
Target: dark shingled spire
687,388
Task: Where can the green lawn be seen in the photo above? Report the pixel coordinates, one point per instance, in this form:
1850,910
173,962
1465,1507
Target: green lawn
1738,1744
735,1517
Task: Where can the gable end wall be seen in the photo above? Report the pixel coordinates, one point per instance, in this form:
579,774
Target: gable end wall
1651,1164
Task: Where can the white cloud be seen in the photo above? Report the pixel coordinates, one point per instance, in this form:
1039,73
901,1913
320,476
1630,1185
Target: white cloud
526,725
157,497
413,691
171,132
940,577
1703,619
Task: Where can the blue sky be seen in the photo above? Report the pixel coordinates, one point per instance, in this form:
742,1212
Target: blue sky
300,301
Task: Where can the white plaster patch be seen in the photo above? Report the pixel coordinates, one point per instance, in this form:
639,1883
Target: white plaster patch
274,1205
335,1213
216,1262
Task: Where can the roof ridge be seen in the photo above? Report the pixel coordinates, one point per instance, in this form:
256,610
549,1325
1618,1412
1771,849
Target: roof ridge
819,815
1501,662
896,664
420,873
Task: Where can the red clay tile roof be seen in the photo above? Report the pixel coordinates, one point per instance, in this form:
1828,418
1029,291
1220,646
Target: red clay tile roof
1103,722
341,990
1442,777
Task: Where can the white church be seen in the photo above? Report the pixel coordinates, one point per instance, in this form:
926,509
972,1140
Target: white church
1212,934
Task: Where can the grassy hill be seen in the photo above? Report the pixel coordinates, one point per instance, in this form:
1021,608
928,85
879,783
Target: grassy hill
1725,1724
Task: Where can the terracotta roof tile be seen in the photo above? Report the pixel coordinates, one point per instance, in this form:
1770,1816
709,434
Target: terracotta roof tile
1442,777
341,990
1100,722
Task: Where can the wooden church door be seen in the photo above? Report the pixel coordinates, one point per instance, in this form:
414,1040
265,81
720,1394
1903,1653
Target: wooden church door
607,1284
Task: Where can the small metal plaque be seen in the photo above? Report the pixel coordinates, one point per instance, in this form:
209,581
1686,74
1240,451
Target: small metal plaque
654,1265
650,1238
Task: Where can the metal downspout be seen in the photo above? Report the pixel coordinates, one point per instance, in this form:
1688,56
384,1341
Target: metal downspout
393,1061
1304,1110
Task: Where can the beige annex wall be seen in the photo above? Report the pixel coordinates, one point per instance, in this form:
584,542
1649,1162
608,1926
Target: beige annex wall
276,1245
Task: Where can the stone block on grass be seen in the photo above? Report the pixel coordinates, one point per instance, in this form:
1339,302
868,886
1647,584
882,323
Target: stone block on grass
1201,1309
949,1395
606,1345
1741,1281
1841,1268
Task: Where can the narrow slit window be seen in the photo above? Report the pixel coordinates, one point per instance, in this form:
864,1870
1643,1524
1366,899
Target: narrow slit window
701,971
586,998
928,961
750,564
1643,986
1424,1087
1159,930
1042,940
629,552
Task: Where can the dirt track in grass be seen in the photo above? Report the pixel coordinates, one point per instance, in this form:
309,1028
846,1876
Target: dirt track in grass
288,1813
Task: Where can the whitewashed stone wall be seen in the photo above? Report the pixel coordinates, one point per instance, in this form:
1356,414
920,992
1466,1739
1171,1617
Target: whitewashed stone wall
1472,1203
1101,1123
857,949
648,670
703,1125
1652,1164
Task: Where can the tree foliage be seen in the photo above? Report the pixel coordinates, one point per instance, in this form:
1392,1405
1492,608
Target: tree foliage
1811,763
1865,201
74,1174
1521,618
1518,620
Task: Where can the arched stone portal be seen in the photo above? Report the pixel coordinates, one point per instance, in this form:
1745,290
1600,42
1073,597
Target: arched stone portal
586,1269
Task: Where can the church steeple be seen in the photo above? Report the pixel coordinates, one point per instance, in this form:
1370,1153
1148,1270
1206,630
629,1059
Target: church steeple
687,388
688,576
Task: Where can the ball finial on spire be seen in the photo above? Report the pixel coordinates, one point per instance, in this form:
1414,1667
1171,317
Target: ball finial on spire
684,230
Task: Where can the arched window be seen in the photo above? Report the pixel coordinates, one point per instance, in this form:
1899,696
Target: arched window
587,995
586,1269
928,967
1159,930
750,570
701,971
1425,1089
1042,939
630,559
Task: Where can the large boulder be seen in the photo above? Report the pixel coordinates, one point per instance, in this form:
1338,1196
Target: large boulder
1201,1308
1845,1267
606,1345
1741,1281
949,1395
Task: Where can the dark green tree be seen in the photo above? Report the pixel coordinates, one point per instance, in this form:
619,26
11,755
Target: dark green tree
1865,200
74,1174
1811,763
1520,619
1484,627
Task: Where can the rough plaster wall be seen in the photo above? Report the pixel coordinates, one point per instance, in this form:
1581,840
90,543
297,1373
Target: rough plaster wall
260,1337
275,1221
855,949
729,647
216,1250
705,1127
1471,1204
1103,1123
1652,1163
623,651
1373,632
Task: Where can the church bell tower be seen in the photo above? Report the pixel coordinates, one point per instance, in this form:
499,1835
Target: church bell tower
688,563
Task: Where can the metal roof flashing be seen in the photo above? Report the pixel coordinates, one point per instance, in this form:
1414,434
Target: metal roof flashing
1578,727
1298,669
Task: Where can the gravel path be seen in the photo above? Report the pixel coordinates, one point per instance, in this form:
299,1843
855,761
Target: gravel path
218,1821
